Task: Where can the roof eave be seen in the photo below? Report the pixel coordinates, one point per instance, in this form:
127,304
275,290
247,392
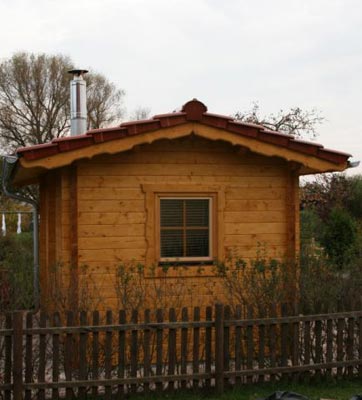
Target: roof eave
317,160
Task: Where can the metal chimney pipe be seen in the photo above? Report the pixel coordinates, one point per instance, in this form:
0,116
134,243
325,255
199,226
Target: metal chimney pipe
78,102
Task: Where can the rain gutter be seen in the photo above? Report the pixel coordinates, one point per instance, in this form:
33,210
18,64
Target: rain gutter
353,164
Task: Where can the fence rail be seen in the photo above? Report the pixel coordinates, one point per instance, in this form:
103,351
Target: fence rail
62,355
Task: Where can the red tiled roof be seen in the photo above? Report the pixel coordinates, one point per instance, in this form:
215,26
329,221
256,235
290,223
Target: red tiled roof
193,111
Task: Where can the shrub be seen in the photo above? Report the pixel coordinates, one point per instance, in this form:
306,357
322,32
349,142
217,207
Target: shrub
16,264
310,230
340,238
325,288
262,283
138,287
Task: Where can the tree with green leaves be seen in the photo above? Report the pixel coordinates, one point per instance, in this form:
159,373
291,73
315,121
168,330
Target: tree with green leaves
332,216
340,237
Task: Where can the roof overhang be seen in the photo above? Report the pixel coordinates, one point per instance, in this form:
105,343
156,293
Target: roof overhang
310,157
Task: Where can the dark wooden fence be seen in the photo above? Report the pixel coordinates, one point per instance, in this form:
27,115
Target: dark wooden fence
63,356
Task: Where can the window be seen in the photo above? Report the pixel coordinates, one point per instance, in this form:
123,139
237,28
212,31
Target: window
184,223
185,229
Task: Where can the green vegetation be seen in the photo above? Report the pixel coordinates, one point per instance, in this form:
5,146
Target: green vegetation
262,284
341,390
16,269
331,243
331,218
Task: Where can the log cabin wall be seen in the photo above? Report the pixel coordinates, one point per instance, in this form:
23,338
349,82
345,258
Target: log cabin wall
55,237
102,213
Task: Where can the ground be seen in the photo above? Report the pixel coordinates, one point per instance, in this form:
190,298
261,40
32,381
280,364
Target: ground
340,390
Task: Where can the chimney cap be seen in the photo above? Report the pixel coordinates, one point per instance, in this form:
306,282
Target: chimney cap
78,72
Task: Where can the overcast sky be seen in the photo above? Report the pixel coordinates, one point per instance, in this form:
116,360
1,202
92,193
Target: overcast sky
226,53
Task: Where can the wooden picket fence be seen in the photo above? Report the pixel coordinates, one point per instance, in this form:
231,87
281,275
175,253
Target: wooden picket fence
77,355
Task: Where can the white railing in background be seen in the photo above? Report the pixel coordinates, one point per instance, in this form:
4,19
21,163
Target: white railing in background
19,220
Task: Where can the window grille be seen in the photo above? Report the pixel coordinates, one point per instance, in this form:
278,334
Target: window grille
185,232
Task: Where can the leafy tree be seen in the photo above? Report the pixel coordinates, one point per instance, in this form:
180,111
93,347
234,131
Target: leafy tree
340,237
34,99
335,200
295,121
310,234
354,200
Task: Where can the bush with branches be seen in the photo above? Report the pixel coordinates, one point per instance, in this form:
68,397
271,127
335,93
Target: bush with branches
16,268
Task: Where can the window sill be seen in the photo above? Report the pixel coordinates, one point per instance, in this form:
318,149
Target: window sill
185,263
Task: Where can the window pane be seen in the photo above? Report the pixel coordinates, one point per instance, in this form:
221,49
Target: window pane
197,212
171,212
171,243
197,243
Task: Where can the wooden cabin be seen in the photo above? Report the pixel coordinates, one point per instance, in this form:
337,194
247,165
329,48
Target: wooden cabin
180,189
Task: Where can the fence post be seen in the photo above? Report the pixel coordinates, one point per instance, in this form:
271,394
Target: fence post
18,355
219,348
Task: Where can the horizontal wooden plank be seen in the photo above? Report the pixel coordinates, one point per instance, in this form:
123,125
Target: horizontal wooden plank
293,368
251,228
101,266
177,170
187,324
116,327
111,218
110,194
251,252
115,255
293,319
254,216
99,292
255,205
111,205
116,381
136,181
228,156
104,243
264,239
121,231
188,377
255,193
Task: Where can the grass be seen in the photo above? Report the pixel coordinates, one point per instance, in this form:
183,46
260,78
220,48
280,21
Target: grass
341,390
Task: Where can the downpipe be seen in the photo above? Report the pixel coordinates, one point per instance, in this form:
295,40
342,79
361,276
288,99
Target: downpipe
9,163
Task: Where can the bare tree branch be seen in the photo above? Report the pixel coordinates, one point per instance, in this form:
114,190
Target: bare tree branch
295,121
34,100
140,113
